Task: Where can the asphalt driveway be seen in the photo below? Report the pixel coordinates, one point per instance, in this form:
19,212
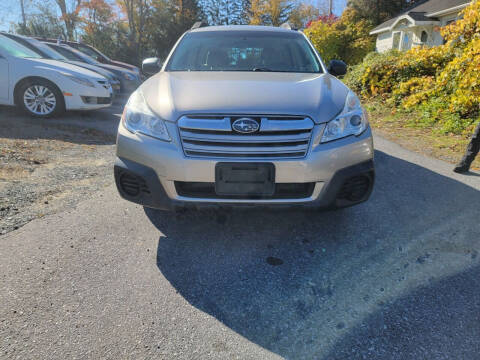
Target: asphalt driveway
395,278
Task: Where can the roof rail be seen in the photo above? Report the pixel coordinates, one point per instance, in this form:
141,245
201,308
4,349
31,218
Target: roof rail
199,24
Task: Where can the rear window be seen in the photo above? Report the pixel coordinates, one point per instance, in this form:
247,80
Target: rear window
244,51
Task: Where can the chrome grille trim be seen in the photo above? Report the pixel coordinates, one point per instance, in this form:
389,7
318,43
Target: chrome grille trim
278,137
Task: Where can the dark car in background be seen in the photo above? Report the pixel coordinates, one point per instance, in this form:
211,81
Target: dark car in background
47,52
94,53
129,80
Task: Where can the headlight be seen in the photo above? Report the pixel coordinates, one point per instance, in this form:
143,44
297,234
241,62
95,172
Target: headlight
138,118
351,121
79,80
128,76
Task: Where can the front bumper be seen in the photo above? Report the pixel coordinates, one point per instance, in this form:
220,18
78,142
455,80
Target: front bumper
87,98
155,168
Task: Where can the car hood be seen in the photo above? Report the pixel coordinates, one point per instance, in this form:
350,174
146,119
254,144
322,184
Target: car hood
63,66
94,68
173,94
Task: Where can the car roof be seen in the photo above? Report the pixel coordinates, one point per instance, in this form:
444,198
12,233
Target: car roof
241,28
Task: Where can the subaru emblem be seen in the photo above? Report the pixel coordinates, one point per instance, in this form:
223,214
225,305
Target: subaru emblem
245,125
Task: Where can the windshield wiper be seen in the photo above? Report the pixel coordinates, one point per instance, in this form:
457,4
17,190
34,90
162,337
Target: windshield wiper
262,69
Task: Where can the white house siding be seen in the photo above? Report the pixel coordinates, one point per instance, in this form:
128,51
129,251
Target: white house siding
384,41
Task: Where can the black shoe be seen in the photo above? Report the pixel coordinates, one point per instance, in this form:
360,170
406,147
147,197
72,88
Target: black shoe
461,168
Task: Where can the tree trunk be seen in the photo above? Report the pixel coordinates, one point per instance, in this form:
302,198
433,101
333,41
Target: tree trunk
24,19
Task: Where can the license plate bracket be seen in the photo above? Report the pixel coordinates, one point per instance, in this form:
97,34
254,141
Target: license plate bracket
245,179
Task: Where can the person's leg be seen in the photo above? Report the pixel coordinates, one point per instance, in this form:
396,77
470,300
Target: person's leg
472,151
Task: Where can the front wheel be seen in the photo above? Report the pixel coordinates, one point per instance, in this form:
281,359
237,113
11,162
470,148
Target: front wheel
40,98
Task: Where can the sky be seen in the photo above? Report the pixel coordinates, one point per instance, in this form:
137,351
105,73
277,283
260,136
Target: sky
10,11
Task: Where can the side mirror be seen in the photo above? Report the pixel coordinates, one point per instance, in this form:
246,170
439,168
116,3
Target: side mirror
151,66
337,68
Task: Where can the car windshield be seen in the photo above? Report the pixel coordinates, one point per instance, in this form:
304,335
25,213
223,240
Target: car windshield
13,48
47,50
244,50
94,53
73,55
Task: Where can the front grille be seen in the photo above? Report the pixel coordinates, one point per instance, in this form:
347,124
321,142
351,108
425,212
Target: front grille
206,190
277,137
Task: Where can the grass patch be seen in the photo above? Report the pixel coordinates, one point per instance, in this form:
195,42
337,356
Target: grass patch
413,130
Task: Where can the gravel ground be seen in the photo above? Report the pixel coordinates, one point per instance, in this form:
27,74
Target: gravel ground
49,165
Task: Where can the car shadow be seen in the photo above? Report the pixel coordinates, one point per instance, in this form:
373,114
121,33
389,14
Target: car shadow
420,325
96,127
297,282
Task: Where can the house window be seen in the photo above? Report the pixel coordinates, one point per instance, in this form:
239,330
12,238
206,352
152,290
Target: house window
424,37
396,40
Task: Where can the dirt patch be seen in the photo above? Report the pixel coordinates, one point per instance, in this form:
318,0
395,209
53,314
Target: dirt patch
49,165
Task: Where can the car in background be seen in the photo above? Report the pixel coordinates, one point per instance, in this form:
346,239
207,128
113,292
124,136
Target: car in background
45,87
94,53
129,81
47,52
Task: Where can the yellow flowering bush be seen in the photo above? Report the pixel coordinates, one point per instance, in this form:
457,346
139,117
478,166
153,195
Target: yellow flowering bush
414,91
346,38
442,82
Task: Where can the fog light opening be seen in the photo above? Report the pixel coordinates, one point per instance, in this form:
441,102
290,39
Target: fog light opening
355,188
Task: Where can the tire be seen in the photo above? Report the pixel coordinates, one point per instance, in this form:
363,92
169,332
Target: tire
40,98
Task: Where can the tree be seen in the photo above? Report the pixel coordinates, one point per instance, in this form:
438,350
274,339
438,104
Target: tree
223,12
277,12
44,23
302,14
270,12
137,13
22,8
70,10
346,38
256,12
99,25
378,11
176,17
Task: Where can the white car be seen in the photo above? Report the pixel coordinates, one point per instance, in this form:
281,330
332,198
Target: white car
44,87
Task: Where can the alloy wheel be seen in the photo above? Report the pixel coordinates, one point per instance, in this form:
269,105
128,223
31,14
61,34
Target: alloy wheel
39,100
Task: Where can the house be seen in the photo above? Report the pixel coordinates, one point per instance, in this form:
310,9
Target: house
418,25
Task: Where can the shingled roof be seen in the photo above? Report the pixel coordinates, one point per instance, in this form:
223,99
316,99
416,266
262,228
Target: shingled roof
424,11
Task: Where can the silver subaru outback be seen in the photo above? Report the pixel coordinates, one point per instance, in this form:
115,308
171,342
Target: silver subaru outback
244,115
